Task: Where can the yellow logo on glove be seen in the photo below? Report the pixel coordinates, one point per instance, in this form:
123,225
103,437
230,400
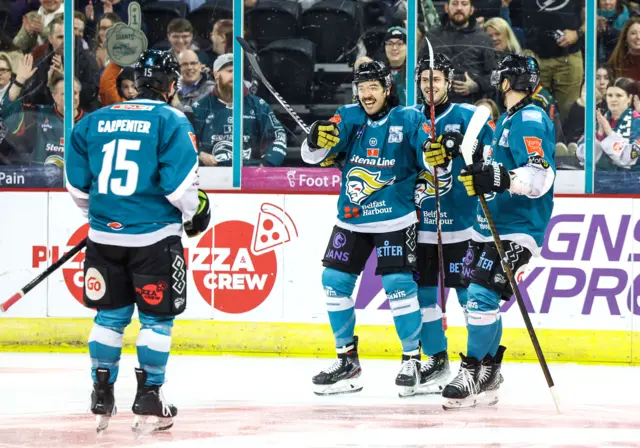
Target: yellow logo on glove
328,136
435,154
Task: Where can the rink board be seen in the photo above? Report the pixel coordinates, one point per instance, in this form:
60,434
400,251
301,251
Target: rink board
246,295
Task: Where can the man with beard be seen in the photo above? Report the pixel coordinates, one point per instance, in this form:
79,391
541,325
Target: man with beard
468,47
264,140
39,129
457,214
382,144
194,85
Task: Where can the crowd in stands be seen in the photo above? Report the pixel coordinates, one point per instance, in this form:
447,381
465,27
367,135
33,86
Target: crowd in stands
308,49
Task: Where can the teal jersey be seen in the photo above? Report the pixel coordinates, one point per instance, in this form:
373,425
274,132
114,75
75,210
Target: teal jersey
264,139
457,208
382,160
525,138
133,161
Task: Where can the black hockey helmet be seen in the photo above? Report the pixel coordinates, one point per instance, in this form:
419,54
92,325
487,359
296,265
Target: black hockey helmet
372,71
156,70
440,62
523,73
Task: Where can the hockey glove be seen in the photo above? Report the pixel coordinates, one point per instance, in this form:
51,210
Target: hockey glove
323,134
334,161
445,148
482,179
200,220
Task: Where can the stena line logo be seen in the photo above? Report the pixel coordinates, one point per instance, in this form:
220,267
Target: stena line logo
234,265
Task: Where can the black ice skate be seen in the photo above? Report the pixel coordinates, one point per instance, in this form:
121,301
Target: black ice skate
463,391
434,374
490,378
343,376
103,403
150,403
408,379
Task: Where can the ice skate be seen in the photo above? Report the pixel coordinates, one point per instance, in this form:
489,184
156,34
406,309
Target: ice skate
152,412
463,391
103,403
408,379
490,378
343,376
434,374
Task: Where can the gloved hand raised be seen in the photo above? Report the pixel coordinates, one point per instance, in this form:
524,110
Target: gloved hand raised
323,134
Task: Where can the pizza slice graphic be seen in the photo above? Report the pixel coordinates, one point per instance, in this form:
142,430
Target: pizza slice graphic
275,227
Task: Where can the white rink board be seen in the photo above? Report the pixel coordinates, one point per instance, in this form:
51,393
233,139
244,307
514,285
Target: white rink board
582,280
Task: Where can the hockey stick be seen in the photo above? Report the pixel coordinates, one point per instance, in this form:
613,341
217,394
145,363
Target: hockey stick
468,144
33,283
436,186
253,61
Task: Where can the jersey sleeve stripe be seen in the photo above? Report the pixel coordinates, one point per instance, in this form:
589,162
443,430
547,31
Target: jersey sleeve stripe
184,186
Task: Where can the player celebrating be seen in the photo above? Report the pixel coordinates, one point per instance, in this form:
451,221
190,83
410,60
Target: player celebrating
383,148
456,216
132,167
521,162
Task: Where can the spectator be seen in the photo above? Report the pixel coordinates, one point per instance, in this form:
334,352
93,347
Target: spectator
470,51
35,25
117,84
79,24
395,50
40,129
604,77
553,37
265,141
618,129
180,35
625,59
501,34
612,15
573,124
492,106
104,23
6,74
49,60
195,84
221,38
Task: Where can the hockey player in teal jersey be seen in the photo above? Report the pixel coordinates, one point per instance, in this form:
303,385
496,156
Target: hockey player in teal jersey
382,143
457,214
132,167
520,169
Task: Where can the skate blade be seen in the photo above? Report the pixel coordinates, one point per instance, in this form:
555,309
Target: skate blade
488,398
146,424
349,386
102,422
459,403
433,386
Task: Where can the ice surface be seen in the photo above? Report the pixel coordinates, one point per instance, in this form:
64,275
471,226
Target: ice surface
267,402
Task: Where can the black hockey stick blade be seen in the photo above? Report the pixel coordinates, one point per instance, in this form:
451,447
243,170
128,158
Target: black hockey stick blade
253,61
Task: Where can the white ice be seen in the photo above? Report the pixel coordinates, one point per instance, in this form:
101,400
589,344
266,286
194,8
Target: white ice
227,401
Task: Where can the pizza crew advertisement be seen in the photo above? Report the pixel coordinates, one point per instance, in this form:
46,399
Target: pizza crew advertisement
260,260
233,264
